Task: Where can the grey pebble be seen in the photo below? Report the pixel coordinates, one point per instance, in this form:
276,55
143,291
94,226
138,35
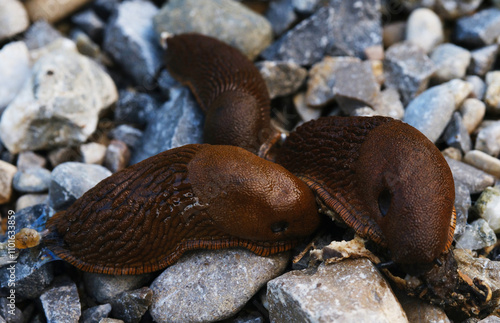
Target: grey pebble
482,59
453,9
451,62
483,161
389,104
456,135
282,78
474,179
281,15
472,111
40,34
225,20
424,29
105,8
408,69
90,23
334,293
479,86
93,153
492,95
488,139
29,159
13,18
14,70
219,282
32,180
487,206
7,172
479,29
128,134
117,156
61,303
71,180
28,200
135,107
490,319
9,314
96,313
419,311
130,306
103,288
130,39
462,204
476,236
453,153
305,112
178,122
306,6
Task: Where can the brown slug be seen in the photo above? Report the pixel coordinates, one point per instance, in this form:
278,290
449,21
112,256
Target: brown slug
383,177
144,217
228,87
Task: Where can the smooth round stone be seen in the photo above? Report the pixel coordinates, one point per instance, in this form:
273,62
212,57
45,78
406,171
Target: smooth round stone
93,153
425,29
453,153
29,159
282,78
13,18
390,104
14,69
476,236
32,180
487,206
52,10
492,96
472,111
28,200
451,62
483,161
7,172
478,86
488,139
103,288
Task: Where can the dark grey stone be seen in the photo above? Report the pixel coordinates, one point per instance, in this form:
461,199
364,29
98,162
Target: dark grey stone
130,39
33,217
7,307
282,78
281,15
178,122
166,81
61,304
105,8
130,306
103,288
474,179
135,107
71,180
408,69
456,135
483,59
39,34
127,134
480,29
95,314
462,204
90,23
32,180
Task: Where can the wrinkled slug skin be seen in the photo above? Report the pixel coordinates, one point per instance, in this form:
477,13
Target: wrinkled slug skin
383,177
146,216
227,86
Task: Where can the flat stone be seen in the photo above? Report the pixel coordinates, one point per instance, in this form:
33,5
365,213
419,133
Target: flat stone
61,304
96,313
282,78
488,139
135,107
389,104
482,60
424,29
225,20
41,34
492,96
32,180
178,122
129,135
408,69
90,23
71,180
103,288
219,282
479,87
451,62
130,39
14,69
93,153
334,293
28,200
473,111
477,235
474,179
479,29
52,10
13,19
487,206
130,306
58,105
483,161
462,204
453,9
117,156
29,159
281,15
7,172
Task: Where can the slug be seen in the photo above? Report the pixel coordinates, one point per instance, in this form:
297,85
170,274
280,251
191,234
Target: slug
144,217
227,86
384,178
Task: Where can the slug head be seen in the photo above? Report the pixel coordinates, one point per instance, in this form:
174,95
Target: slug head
408,190
251,198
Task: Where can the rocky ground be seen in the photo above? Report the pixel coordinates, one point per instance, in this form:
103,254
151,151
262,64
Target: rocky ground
84,93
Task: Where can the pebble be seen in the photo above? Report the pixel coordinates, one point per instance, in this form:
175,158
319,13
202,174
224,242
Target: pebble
463,202
424,29
96,313
474,179
492,95
52,10
477,235
305,112
389,104
105,8
71,180
394,32
281,15
130,306
110,320
129,135
28,200
7,172
13,19
61,303
32,180
490,319
483,161
225,20
451,62
93,153
479,87
408,69
453,9
305,6
90,23
472,111
453,153
14,70
487,207
64,154
130,39
178,122
219,282
40,34
282,78
482,59
456,135
479,29
488,139
58,105
10,312
334,293
29,159
135,107
103,288
419,311
117,156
